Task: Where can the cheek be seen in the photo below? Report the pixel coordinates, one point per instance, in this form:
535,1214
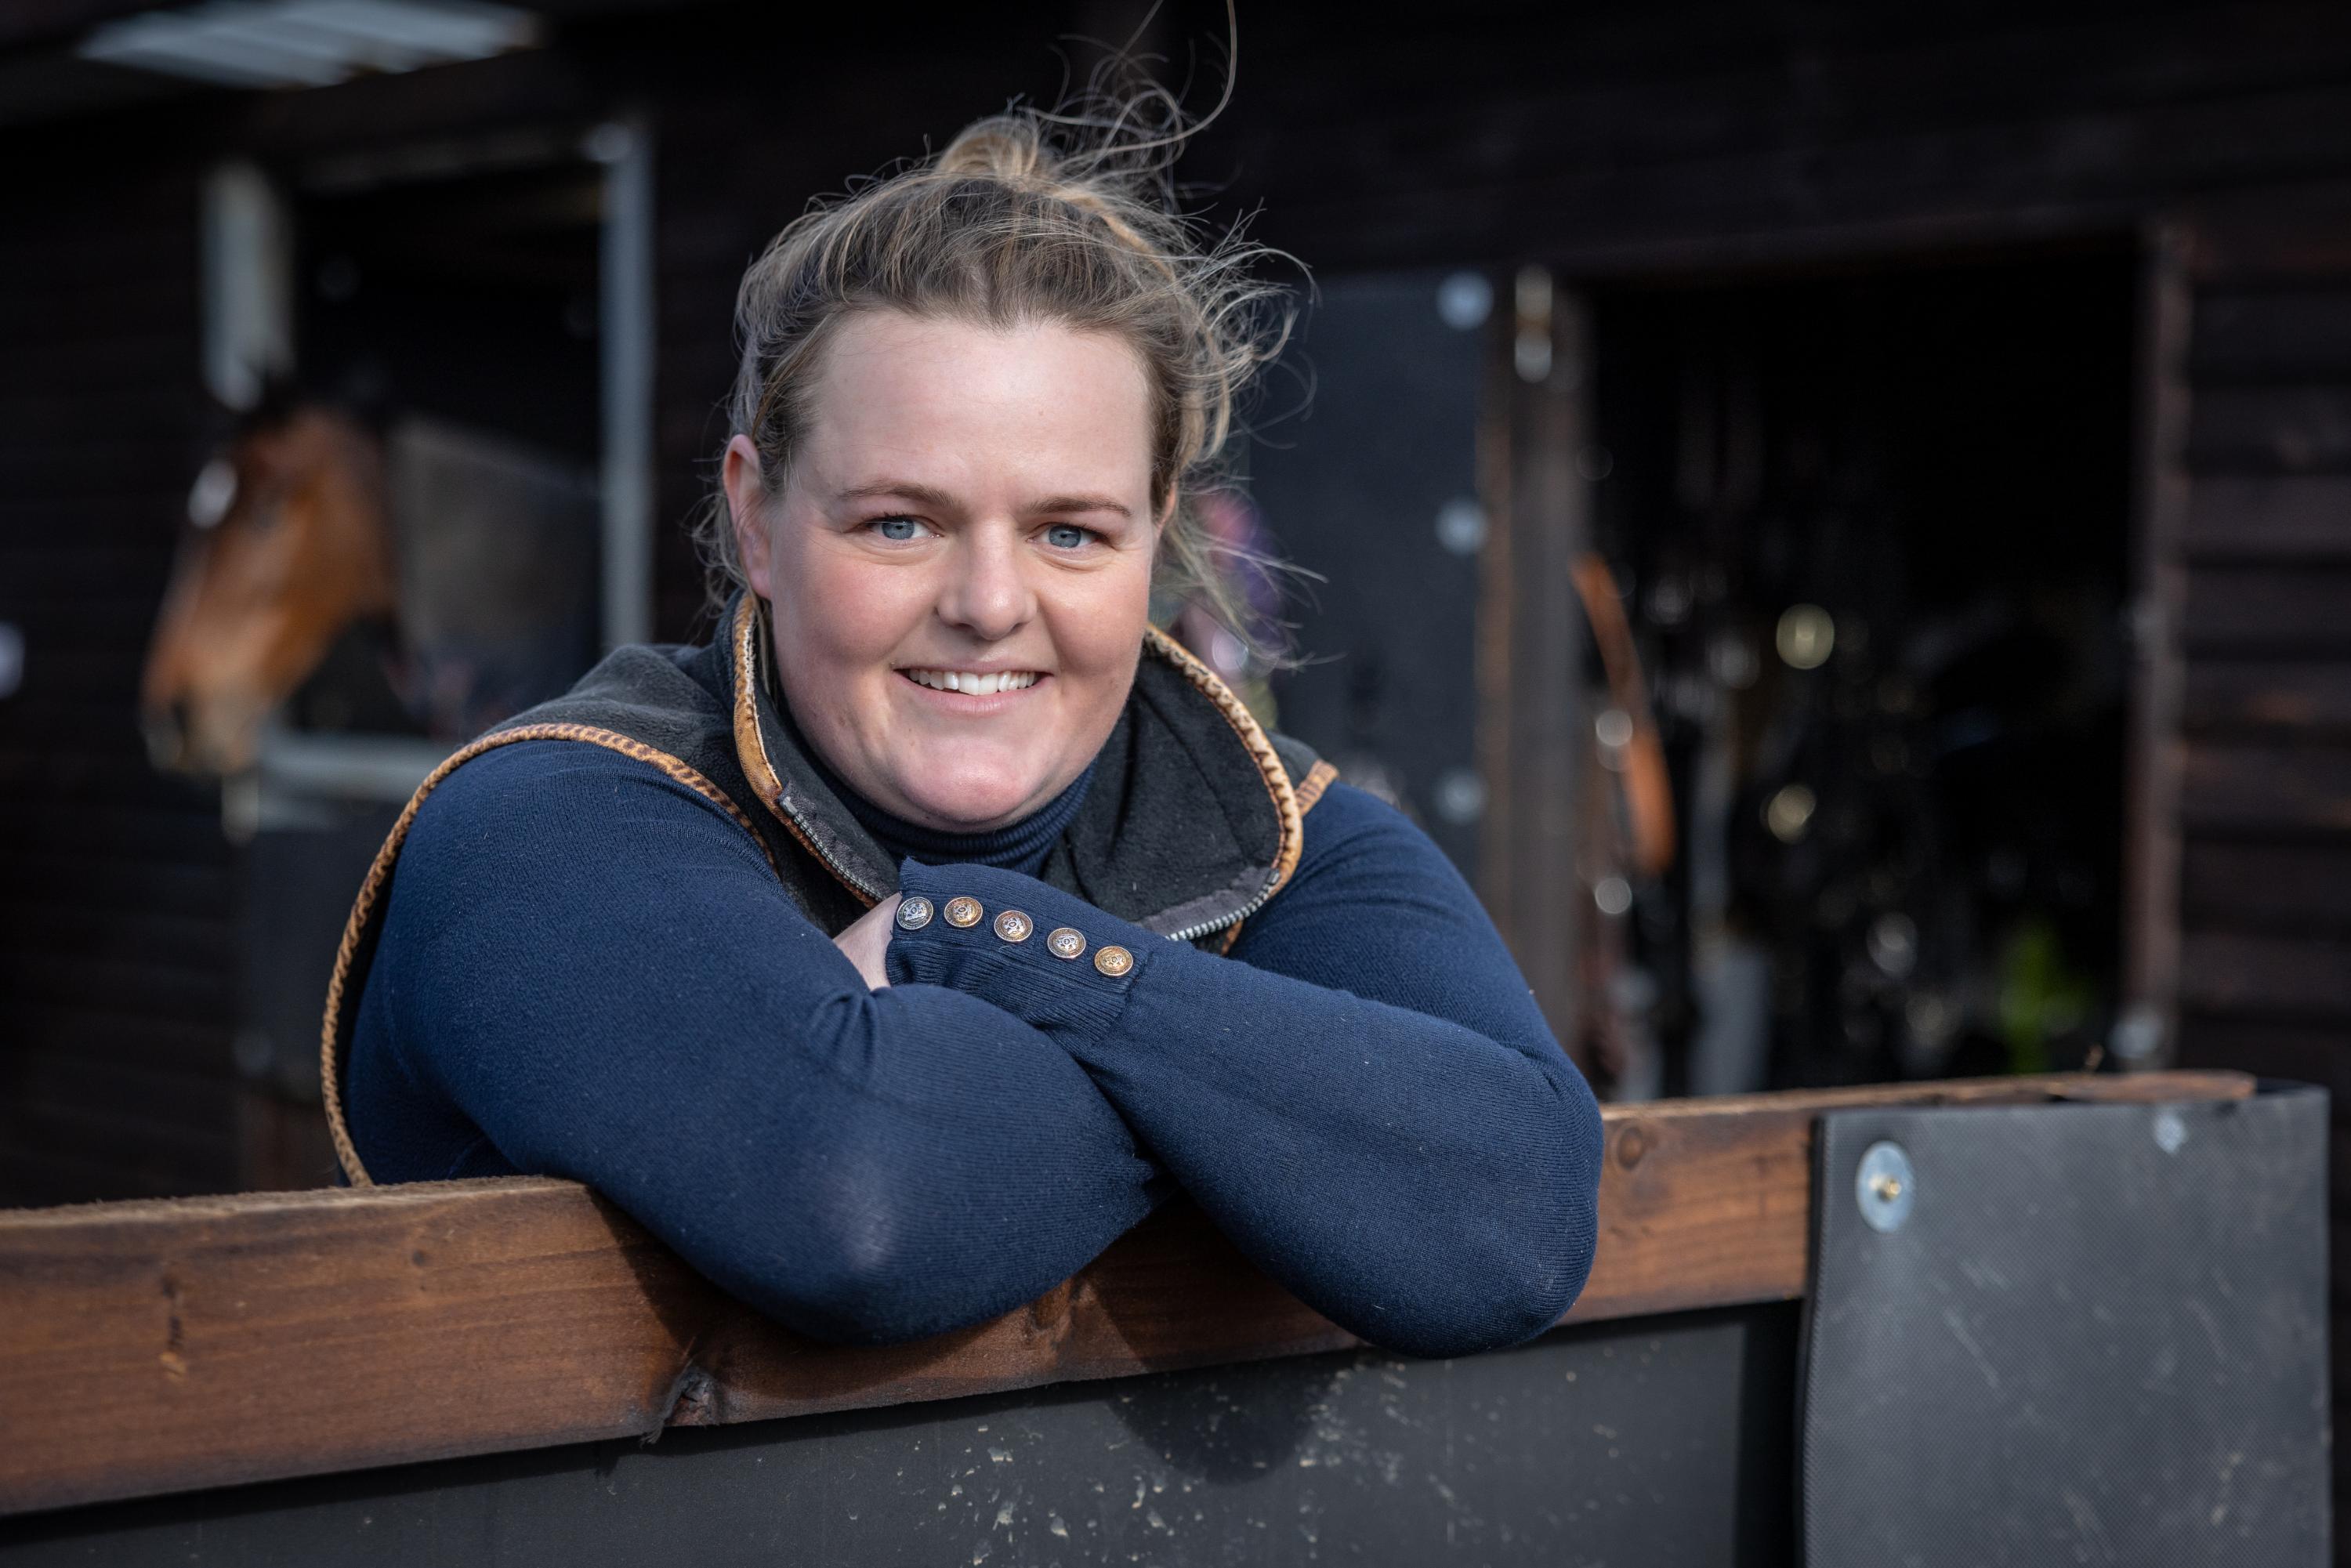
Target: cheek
1100,629
837,612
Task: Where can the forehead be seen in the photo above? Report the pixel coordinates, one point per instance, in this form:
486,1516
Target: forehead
969,403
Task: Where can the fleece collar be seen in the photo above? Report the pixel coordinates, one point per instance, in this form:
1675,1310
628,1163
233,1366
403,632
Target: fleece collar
1191,822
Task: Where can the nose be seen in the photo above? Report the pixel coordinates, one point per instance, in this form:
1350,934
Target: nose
987,592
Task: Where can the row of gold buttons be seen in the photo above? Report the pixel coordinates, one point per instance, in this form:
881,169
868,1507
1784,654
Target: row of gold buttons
1014,926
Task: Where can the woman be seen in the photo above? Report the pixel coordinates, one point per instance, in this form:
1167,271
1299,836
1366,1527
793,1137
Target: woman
838,951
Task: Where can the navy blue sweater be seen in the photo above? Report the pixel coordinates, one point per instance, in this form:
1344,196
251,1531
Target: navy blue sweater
588,970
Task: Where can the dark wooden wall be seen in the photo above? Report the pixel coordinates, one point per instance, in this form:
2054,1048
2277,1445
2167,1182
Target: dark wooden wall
116,948
2265,552
2264,581
1721,133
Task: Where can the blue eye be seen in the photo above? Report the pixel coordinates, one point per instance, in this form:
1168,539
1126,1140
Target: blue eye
1065,536
899,529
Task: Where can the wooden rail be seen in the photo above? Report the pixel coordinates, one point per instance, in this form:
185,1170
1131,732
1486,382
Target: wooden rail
155,1347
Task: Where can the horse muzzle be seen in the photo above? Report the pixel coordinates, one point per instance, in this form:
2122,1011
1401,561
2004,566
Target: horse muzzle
200,740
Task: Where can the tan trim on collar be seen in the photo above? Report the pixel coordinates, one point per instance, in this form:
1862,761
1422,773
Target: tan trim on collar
1253,737
1318,778
330,1045
751,746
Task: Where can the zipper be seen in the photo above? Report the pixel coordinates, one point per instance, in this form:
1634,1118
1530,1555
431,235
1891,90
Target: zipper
1210,927
807,836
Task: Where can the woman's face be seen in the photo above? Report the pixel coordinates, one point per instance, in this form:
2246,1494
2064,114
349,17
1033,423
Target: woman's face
959,562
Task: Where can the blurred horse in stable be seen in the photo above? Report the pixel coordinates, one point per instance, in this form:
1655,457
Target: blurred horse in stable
345,582
419,579
290,552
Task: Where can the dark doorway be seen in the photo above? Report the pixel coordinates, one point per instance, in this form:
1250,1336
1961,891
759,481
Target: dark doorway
1871,531
468,296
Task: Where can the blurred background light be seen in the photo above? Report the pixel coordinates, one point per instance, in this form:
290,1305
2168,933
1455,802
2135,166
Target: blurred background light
309,43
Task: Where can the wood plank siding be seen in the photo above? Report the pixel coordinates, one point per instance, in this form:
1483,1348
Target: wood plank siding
116,905
2264,560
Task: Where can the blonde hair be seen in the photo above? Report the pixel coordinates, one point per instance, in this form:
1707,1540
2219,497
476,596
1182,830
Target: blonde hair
1028,216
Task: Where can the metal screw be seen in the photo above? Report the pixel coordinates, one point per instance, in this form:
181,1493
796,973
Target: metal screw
1461,527
1464,300
1884,1187
1460,796
2170,1130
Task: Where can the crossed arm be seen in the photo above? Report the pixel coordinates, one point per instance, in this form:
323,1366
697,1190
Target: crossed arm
598,969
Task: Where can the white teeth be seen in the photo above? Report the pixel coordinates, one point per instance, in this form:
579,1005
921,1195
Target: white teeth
975,683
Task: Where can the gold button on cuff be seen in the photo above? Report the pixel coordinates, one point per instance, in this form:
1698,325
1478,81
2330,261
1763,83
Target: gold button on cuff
914,914
963,912
1014,927
1114,960
1067,941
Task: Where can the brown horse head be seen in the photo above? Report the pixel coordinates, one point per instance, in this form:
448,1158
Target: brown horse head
290,547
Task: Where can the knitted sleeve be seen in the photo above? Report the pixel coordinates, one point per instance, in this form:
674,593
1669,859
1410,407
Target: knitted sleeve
1363,1095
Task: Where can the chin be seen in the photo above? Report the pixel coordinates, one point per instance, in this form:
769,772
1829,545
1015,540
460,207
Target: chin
974,806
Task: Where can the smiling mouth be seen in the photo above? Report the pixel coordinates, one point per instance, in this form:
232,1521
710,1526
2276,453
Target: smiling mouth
973,682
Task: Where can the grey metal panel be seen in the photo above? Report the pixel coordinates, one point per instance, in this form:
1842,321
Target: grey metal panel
2098,1335
1351,485
1652,1441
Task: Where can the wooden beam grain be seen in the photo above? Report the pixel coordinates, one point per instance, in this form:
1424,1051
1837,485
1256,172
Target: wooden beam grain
2303,888
1531,632
2273,334
2308,698
2280,518
2268,612
164,1346
2257,974
2255,789
2160,506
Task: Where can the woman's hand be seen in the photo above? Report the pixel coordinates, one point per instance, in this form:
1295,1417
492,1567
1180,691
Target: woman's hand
867,939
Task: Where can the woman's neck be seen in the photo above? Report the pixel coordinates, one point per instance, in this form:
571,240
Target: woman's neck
1019,846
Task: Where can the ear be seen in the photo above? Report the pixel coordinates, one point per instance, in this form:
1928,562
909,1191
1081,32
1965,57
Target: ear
747,506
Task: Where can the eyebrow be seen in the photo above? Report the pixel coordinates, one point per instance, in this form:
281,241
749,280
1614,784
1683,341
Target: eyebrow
930,495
